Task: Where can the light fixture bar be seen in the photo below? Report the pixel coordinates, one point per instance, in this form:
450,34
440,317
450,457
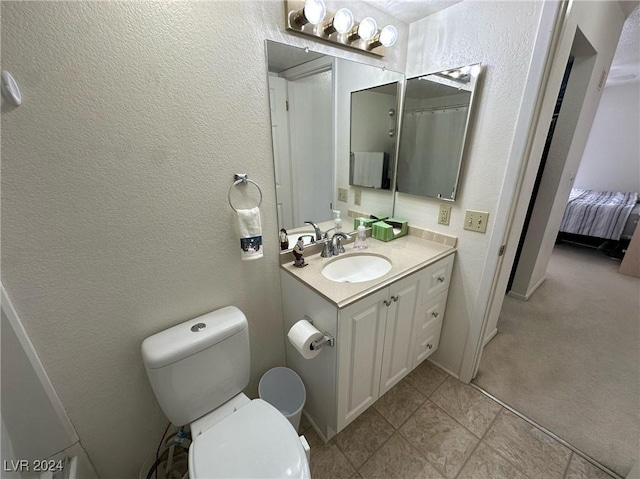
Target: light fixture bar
311,18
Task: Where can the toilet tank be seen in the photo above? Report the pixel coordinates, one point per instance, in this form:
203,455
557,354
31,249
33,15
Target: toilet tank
198,365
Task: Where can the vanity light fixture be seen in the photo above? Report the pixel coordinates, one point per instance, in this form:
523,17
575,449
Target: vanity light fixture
387,37
460,75
341,22
313,12
340,28
365,30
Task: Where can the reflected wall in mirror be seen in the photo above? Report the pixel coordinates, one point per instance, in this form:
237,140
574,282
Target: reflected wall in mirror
310,101
435,124
373,136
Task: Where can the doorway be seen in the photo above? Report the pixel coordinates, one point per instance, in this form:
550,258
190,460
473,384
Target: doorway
567,348
301,100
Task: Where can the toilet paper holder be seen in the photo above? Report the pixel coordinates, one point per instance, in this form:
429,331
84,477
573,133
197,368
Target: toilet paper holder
327,339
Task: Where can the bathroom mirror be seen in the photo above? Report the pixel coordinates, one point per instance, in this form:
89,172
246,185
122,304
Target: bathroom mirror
374,117
435,122
310,103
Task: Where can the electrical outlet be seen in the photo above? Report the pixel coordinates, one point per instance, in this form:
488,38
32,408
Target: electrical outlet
343,194
476,221
444,215
358,197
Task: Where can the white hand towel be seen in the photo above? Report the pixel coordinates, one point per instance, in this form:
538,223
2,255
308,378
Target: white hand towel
367,168
250,233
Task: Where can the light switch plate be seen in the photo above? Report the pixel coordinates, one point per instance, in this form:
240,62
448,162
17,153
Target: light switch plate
358,198
444,215
476,221
343,194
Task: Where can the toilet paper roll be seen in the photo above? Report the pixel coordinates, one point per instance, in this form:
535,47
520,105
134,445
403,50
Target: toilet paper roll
301,335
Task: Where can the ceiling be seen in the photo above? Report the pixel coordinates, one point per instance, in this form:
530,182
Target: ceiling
411,10
282,57
416,88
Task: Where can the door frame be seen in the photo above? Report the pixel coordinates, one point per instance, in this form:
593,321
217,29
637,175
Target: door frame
559,25
535,108
313,67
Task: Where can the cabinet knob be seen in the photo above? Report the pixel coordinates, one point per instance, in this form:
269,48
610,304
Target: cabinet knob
441,279
429,346
395,298
387,303
434,314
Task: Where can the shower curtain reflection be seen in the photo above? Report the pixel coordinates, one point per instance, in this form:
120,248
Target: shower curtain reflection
432,140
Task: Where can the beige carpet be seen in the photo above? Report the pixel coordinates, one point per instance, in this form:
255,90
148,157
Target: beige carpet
569,358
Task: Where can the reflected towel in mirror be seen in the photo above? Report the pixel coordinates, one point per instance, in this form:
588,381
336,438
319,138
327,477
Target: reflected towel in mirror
368,168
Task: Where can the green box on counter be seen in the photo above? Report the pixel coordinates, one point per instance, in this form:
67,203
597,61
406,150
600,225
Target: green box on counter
389,229
368,222
382,231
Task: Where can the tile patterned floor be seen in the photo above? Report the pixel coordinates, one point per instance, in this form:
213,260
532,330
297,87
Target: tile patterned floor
431,426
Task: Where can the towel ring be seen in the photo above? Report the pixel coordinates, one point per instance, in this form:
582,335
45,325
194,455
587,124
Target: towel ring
242,178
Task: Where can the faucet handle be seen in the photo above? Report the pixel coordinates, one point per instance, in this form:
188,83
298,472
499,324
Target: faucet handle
336,241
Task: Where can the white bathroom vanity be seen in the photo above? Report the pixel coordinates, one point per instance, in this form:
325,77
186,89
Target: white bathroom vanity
383,328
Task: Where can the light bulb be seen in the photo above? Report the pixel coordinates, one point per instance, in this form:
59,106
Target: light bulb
389,36
314,11
367,28
343,20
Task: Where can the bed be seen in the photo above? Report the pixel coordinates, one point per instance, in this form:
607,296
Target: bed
600,214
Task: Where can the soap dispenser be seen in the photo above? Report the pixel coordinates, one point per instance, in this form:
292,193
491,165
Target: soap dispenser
337,221
361,237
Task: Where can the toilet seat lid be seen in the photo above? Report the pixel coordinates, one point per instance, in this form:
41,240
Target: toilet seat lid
256,441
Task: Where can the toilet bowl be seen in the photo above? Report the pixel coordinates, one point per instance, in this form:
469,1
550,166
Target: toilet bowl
197,370
255,441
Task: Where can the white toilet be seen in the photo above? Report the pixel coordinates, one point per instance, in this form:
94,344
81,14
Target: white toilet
197,370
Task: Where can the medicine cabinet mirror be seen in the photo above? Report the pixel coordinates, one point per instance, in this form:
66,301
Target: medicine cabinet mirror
435,123
310,101
374,117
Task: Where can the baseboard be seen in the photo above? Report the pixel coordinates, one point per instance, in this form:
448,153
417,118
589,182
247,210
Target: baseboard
446,370
315,426
490,337
528,294
519,296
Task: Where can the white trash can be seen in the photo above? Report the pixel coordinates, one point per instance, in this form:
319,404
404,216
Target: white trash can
284,390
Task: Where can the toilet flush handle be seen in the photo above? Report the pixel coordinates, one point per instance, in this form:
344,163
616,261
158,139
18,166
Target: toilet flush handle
196,328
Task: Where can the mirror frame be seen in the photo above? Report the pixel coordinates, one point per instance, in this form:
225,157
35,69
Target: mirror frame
476,75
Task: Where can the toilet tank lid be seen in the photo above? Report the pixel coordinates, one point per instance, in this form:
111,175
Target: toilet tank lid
190,337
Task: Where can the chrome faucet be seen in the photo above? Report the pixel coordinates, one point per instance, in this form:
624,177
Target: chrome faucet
316,228
334,246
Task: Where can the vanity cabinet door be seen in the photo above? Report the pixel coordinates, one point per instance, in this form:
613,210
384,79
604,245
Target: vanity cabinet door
360,341
397,360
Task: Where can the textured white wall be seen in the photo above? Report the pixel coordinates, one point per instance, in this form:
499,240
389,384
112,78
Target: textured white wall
611,159
114,193
500,35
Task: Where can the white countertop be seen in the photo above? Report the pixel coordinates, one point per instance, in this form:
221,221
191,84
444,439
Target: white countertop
407,255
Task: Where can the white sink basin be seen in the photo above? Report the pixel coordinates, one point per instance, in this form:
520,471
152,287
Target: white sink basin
356,268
